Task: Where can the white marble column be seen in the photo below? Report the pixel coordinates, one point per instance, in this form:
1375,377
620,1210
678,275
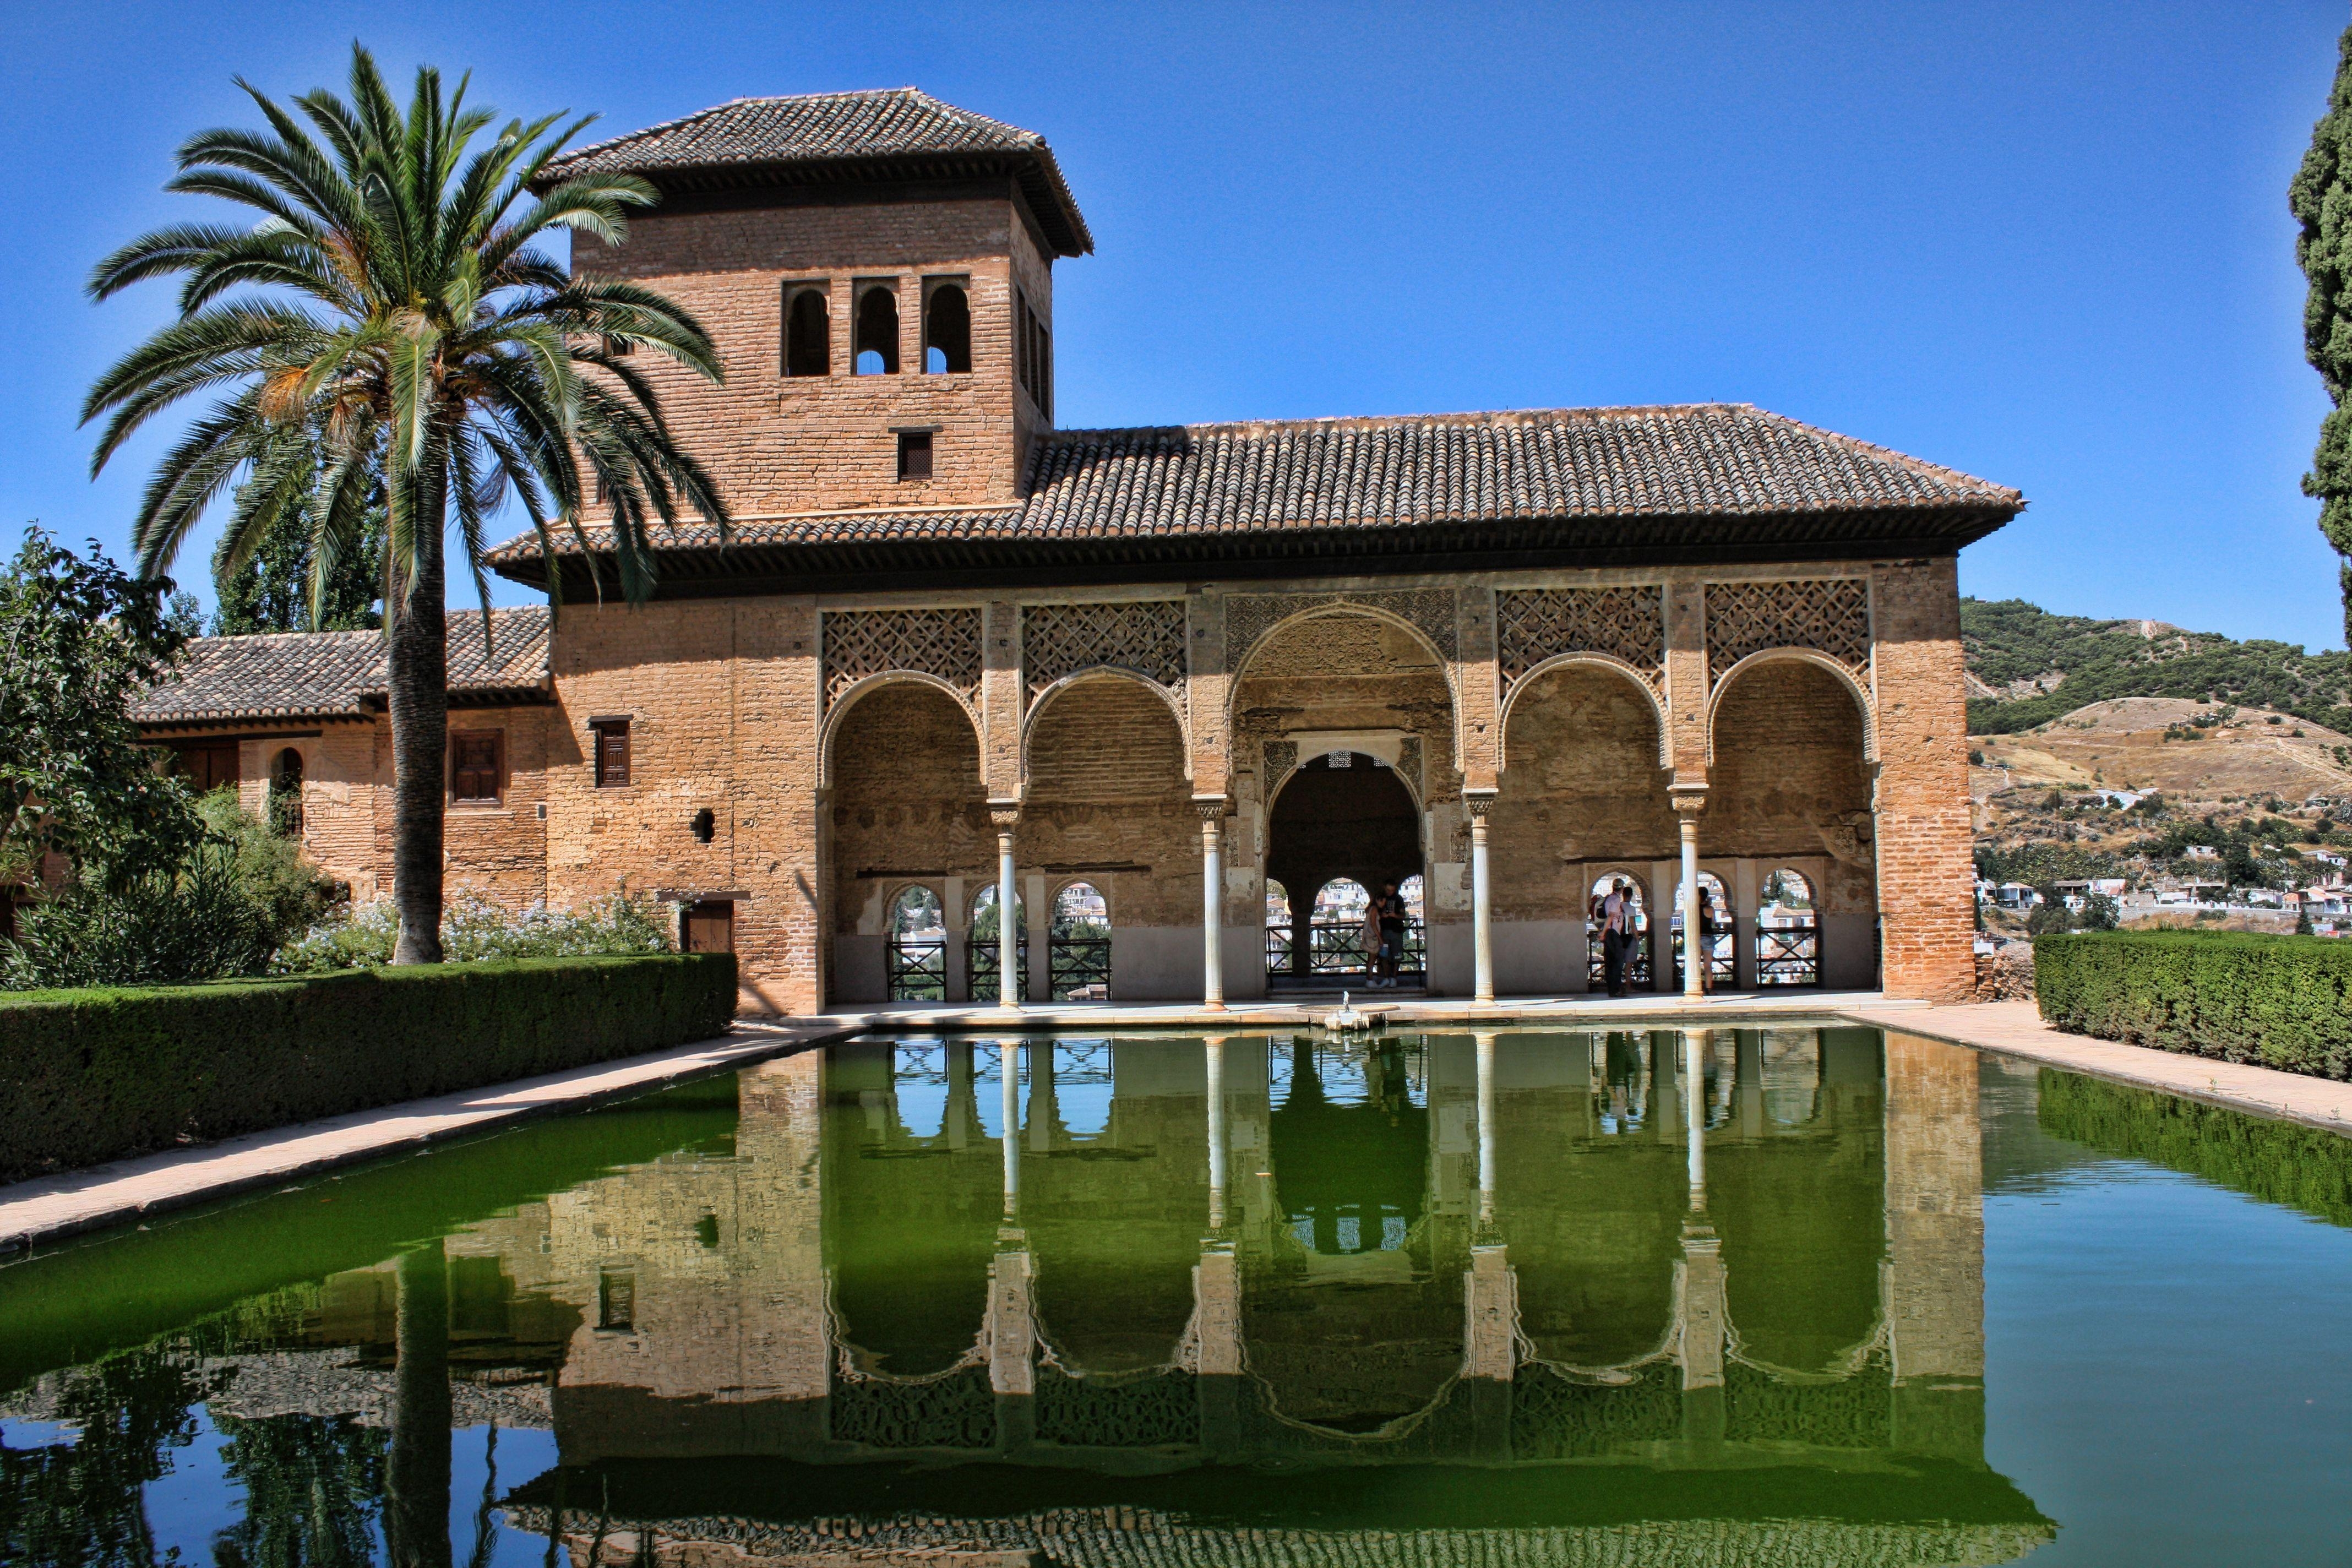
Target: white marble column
1008,898
1212,903
1687,809
1482,910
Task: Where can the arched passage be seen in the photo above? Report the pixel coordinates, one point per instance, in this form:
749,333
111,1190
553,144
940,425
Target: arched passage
1581,793
907,804
1341,816
1108,804
1790,788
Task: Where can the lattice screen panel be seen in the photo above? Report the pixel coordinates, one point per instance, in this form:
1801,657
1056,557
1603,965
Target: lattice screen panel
1831,617
941,642
1534,625
1148,638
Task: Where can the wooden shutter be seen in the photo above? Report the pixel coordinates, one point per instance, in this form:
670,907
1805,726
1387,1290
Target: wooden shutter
475,773
612,755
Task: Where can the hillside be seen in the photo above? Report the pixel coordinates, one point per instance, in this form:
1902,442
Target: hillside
2027,666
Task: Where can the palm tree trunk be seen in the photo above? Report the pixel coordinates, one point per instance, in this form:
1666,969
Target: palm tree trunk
420,740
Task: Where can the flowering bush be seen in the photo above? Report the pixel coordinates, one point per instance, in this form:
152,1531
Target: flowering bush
473,929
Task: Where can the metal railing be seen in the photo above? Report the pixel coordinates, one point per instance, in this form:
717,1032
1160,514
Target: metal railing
917,968
1078,967
1789,954
1337,947
1722,957
983,964
1637,960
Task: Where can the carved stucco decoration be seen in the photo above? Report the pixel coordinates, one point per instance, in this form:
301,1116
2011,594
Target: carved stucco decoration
1627,623
1148,638
1829,616
1249,617
941,642
1281,756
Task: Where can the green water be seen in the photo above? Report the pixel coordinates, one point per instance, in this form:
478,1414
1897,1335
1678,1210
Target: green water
1786,1296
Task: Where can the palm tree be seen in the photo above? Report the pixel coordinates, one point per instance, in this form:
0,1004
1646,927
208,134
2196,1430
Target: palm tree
391,308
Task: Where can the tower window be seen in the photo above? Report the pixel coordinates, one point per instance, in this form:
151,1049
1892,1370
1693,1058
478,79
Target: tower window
947,329
475,773
877,331
913,454
808,334
1033,354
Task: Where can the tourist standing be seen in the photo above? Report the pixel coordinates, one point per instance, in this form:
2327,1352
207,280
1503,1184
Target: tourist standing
1390,908
1701,951
1616,932
1370,936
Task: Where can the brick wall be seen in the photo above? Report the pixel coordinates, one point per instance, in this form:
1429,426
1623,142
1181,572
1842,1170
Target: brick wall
1580,781
1107,796
1925,879
1789,780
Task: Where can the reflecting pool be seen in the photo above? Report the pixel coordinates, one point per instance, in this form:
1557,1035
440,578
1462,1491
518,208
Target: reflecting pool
1797,1295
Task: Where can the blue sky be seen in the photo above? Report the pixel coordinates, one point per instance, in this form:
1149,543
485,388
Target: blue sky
2048,244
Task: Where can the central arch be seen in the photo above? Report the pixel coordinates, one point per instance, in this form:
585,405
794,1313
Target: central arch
1342,816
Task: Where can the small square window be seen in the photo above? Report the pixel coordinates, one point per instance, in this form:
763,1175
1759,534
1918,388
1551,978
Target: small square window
611,739
616,1300
915,455
475,774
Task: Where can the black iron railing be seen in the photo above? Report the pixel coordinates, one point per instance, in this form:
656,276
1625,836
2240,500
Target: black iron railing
1722,957
1078,967
1337,947
983,962
917,968
1789,954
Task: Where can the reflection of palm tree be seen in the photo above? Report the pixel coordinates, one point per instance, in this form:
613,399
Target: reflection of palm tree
312,1486
416,1516
85,1503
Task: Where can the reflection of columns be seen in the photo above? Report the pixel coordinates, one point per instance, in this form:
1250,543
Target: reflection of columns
1935,1248
1212,902
1748,1047
1485,1130
1008,898
1215,1050
1490,1292
1217,1320
417,1476
1687,805
1010,1057
1702,1326
1044,1113
1695,1044
1481,908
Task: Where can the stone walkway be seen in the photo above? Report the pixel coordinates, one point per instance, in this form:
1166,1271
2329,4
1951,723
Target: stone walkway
2016,1029
51,1208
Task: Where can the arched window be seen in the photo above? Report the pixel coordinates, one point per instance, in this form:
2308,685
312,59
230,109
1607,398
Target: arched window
1278,928
947,329
984,959
808,334
1637,960
1788,931
1722,958
877,331
916,953
1336,934
286,794
1077,954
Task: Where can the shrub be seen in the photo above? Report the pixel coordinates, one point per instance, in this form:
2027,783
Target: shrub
474,929
2278,1001
95,1075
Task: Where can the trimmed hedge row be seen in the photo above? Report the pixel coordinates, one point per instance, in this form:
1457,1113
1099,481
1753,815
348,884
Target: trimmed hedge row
87,1076
2276,1001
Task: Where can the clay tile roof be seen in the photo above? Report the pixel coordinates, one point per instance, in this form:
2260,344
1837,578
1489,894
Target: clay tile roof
900,130
1614,479
324,675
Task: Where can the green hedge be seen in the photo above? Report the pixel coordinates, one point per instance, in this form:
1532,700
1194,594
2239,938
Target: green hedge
2305,1168
87,1075
2276,1001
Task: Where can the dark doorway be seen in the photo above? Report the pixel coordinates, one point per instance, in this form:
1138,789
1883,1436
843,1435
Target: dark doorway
1343,815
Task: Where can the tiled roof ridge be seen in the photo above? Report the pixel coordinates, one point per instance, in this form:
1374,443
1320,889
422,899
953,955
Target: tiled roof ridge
312,639
1024,137
1508,418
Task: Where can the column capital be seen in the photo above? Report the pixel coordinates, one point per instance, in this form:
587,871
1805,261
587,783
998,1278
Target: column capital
1688,800
1005,816
1478,803
1213,808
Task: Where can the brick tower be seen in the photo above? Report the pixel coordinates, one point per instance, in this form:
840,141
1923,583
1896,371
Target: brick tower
878,270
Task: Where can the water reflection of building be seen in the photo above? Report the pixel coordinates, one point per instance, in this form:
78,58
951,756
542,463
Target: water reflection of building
1616,1273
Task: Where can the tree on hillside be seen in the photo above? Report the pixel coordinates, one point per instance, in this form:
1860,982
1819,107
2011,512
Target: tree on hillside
80,640
285,586
391,303
2321,200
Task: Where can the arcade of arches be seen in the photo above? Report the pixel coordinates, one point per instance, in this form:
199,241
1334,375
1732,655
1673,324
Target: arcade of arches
1349,757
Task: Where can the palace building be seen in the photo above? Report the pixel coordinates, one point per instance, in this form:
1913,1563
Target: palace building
1177,696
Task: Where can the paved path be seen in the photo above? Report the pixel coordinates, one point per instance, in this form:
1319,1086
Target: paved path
2016,1029
54,1207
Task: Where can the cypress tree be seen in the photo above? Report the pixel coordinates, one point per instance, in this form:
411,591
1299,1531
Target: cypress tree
2321,200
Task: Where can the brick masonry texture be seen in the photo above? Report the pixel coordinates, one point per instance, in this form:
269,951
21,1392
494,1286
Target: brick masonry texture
817,818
